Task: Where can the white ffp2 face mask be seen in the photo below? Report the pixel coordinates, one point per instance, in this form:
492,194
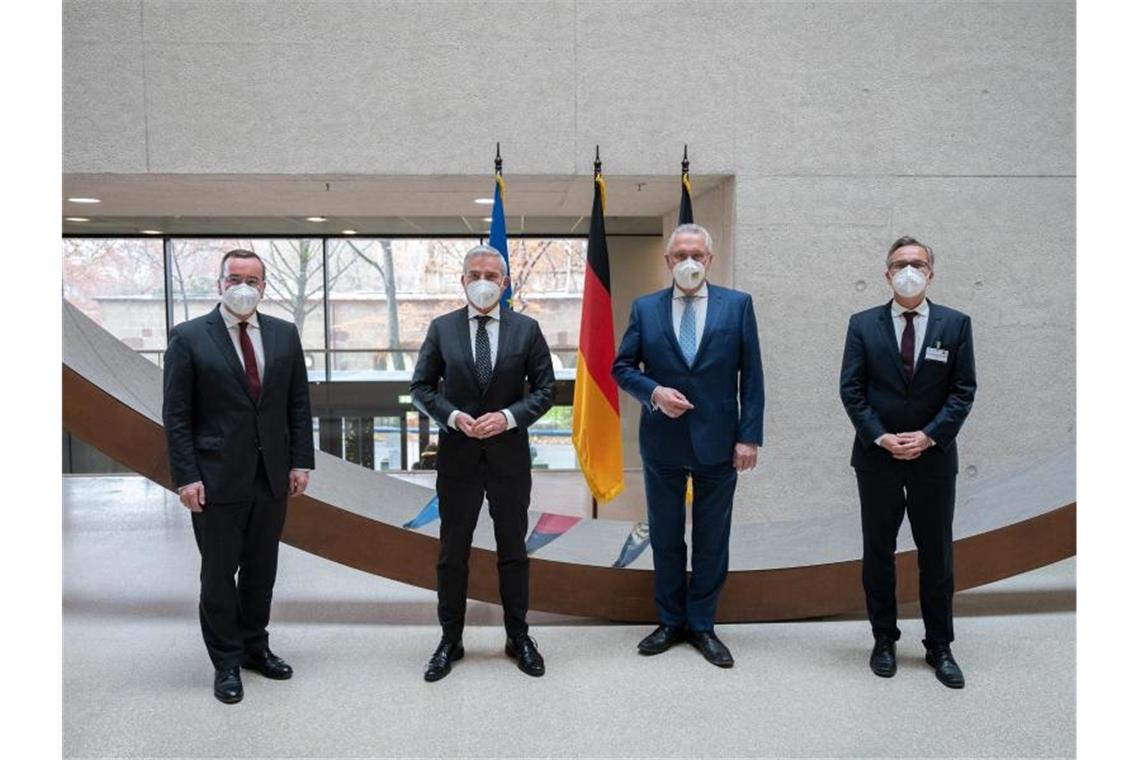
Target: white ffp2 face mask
483,294
908,282
689,274
241,299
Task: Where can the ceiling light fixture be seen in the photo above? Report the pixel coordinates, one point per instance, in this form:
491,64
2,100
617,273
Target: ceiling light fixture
486,219
84,200
484,201
77,219
151,232
348,232
316,218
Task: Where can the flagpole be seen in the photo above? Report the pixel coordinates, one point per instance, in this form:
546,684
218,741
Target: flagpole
597,172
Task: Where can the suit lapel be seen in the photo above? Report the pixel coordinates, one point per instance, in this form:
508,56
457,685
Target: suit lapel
463,335
712,313
268,349
933,323
506,328
887,327
217,329
665,316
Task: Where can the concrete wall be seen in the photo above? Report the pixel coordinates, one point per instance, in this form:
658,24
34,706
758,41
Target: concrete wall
843,125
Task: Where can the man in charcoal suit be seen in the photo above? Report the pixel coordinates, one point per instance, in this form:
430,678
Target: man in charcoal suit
484,375
240,439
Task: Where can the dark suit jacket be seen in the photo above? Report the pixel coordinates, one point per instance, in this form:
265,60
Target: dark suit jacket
725,383
214,431
444,381
879,399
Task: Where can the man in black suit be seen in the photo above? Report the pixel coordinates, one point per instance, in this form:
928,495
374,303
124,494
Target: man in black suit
471,378
240,438
908,384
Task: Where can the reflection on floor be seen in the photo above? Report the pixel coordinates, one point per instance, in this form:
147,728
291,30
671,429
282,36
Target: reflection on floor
137,680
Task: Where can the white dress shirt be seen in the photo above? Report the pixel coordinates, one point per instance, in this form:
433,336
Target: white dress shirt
920,322
493,336
254,331
700,304
897,311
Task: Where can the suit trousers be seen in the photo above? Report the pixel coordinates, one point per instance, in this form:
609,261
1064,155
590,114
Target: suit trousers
928,502
460,501
239,538
682,601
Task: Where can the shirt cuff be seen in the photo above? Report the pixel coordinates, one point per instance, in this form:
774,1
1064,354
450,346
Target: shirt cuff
511,424
300,469
451,419
879,440
653,404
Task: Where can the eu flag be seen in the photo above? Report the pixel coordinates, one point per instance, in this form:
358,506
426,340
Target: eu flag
498,237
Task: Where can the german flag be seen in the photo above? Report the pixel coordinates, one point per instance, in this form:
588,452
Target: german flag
596,420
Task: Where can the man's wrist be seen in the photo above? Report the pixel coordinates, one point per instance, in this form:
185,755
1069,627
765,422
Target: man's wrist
451,419
510,418
879,440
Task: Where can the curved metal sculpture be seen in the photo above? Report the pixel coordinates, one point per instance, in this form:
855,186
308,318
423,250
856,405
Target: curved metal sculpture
112,399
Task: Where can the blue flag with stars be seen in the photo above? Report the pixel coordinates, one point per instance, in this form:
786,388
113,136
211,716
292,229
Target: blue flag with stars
498,236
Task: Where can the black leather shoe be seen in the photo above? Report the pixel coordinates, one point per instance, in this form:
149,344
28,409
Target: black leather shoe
526,652
712,648
267,664
440,663
663,637
945,669
883,661
227,685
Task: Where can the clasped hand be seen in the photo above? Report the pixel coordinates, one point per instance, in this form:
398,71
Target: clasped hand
487,426
907,445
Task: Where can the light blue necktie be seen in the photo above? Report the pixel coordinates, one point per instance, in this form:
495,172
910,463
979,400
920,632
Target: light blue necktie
688,335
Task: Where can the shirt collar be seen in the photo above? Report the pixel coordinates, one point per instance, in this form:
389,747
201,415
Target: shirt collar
702,293
897,310
472,312
232,321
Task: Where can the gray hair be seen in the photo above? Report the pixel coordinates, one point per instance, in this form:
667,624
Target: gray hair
905,241
484,250
690,229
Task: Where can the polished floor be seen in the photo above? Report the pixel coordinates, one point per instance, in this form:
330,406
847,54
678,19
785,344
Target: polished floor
136,680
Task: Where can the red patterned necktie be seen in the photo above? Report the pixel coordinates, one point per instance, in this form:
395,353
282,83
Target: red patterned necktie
250,360
908,343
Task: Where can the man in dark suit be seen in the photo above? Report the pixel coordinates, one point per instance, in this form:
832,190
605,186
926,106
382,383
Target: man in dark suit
240,438
471,378
908,384
691,356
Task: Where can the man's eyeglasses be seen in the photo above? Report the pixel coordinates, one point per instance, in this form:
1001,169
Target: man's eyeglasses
700,258
234,279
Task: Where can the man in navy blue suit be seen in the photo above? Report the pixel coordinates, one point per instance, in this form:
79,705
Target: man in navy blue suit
691,356
908,384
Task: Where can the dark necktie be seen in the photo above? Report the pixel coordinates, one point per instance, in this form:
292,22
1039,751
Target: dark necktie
250,360
908,343
483,353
